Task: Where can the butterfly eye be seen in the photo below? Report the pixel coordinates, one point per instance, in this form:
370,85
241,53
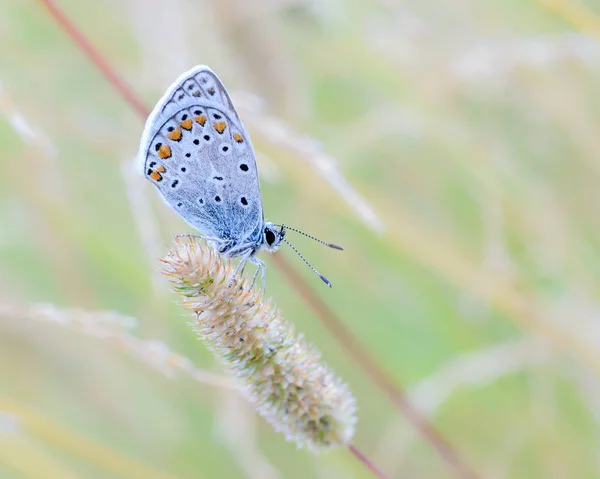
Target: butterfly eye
269,237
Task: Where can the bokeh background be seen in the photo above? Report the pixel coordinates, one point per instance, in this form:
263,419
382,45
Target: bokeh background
452,148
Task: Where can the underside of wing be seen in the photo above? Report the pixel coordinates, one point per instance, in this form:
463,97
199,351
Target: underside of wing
197,153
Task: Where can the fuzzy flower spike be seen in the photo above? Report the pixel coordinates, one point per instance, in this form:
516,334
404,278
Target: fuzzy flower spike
280,373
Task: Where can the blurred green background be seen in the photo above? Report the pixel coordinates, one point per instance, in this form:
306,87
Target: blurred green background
451,147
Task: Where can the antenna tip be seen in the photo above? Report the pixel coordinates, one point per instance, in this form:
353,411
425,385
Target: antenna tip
325,280
335,246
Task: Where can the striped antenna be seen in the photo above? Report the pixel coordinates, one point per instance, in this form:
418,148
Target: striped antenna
325,280
331,245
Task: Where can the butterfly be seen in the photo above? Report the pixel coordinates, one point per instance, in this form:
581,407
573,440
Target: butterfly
197,153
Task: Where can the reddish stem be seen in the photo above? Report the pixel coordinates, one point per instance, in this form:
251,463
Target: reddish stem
111,75
365,460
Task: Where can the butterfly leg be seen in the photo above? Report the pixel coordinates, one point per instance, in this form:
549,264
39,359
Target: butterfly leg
240,267
260,268
204,238
187,235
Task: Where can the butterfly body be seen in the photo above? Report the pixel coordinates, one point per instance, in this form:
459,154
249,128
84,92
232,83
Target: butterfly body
197,153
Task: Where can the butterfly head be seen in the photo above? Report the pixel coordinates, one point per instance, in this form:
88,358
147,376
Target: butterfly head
272,237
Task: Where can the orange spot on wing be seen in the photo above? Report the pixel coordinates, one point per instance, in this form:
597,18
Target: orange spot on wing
201,119
220,126
196,93
155,176
187,124
160,169
175,134
237,137
164,152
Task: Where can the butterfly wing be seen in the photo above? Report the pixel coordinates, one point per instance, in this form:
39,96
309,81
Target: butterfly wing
197,153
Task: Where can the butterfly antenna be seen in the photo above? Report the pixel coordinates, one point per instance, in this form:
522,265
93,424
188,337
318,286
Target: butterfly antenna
331,245
325,280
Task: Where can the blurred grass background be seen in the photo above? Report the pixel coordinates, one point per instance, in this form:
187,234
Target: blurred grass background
467,135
